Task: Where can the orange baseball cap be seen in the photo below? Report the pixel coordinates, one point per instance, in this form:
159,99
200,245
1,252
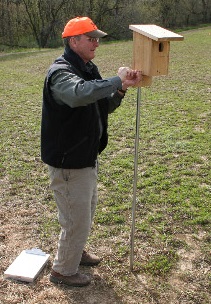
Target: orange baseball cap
82,25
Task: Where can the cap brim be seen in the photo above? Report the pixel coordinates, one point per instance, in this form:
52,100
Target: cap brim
96,34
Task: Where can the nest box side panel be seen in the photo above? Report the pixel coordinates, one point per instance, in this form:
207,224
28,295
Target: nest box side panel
142,47
142,53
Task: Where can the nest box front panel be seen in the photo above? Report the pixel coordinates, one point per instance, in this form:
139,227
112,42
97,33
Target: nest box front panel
159,58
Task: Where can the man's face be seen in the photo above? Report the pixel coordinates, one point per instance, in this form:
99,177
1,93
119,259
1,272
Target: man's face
84,46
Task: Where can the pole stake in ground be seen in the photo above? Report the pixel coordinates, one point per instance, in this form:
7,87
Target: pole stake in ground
135,175
151,46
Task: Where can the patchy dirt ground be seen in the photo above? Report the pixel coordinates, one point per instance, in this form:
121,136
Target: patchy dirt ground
188,283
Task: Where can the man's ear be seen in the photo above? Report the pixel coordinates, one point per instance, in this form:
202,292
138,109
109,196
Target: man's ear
72,42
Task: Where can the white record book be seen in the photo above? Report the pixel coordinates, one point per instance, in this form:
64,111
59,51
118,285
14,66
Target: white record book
27,266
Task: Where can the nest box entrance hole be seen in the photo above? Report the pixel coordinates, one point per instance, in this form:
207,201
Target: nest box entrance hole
161,47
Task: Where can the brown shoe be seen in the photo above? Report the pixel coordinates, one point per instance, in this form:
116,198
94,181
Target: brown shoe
89,259
76,280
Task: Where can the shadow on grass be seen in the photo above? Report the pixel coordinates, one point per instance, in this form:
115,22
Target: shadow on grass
97,292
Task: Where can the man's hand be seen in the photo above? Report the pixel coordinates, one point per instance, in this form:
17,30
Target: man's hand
129,77
123,72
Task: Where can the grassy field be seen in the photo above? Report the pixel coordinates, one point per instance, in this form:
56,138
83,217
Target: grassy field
173,214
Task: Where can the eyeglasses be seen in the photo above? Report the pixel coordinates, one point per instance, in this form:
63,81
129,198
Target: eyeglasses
93,39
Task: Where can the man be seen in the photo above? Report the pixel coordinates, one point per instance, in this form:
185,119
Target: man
76,103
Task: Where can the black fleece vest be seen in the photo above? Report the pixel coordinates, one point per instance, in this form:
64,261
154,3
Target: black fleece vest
70,137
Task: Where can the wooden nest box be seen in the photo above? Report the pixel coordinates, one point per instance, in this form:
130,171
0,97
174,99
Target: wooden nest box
151,46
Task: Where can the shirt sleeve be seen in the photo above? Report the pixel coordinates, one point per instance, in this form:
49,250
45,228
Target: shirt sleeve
114,102
68,88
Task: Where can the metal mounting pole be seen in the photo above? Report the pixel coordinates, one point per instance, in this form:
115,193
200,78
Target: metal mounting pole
135,175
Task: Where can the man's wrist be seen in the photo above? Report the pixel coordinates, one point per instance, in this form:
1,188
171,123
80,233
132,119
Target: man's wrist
122,91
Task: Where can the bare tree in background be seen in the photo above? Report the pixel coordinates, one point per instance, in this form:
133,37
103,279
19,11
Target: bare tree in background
43,18
32,23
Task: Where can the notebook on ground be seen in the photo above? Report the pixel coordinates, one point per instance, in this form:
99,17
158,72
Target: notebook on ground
27,266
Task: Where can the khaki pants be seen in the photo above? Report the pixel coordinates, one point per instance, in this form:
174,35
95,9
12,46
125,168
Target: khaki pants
75,192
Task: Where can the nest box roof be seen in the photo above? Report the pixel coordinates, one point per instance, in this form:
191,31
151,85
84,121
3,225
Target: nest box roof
155,32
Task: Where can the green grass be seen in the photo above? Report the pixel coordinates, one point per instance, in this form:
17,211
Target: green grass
174,172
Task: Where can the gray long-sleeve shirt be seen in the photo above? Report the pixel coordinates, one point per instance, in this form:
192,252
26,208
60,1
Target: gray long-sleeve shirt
74,91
